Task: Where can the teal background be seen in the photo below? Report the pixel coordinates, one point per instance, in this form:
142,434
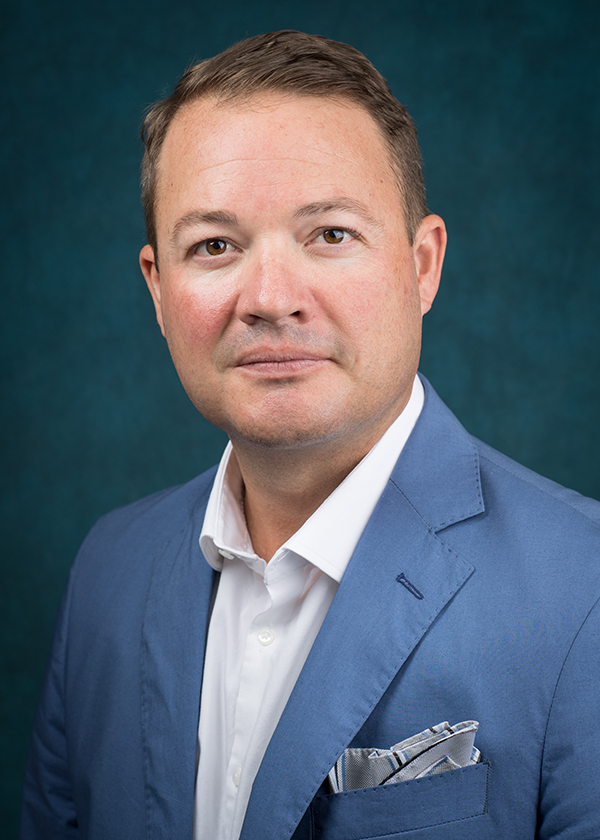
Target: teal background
505,95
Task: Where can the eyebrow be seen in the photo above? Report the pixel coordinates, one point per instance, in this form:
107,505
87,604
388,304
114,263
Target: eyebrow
336,204
199,217
223,217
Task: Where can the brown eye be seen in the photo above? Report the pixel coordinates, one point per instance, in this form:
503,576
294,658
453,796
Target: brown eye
215,247
333,236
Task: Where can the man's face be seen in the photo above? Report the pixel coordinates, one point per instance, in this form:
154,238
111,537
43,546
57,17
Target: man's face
288,292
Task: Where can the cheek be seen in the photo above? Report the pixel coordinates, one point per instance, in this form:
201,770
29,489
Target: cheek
193,318
383,301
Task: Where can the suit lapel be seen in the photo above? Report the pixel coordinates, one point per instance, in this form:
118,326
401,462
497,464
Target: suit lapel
172,656
399,579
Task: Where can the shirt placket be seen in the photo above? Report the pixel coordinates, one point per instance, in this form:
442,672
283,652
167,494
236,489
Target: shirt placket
260,653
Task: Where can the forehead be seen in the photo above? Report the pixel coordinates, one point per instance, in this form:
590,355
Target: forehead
210,109
209,118
273,147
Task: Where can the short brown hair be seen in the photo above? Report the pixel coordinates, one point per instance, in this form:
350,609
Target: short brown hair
297,63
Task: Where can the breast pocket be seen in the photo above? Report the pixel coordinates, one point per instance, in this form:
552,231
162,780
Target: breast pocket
392,810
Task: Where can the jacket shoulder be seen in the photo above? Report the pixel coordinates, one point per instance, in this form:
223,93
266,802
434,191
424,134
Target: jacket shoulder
119,548
526,483
173,505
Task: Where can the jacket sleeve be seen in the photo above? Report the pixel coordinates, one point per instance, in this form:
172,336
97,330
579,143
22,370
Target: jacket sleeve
48,810
570,783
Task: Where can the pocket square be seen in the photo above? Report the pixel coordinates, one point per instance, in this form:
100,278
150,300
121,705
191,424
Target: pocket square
435,750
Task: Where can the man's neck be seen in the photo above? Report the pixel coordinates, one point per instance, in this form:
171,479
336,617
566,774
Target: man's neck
283,488
277,504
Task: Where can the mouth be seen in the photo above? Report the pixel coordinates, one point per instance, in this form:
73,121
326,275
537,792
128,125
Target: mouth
280,362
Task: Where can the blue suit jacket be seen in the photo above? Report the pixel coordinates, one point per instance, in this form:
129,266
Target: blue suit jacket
506,633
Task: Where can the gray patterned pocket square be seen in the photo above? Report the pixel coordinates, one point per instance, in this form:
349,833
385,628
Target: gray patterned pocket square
437,749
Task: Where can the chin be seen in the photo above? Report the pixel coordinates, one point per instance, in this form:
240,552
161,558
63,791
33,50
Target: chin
282,437
286,432
277,424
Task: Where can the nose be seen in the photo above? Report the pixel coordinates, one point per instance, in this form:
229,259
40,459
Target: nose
275,289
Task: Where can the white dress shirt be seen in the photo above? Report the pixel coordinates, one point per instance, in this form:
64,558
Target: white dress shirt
266,618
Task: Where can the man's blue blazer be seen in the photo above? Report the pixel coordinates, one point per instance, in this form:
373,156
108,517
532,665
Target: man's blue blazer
473,594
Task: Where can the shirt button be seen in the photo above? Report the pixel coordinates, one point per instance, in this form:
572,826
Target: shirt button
266,636
227,554
236,775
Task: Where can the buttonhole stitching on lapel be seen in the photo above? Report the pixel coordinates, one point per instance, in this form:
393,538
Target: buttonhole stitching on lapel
410,586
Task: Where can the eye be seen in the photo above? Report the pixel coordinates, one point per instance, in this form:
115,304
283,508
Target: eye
333,236
212,247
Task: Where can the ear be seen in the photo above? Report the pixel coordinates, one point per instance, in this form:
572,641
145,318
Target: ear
149,267
429,248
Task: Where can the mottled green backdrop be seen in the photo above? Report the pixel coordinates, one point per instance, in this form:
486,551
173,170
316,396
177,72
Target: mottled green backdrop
505,95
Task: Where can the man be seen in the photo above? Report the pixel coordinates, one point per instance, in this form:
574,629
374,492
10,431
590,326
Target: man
358,569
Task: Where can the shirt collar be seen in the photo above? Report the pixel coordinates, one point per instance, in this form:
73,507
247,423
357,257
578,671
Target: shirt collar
328,538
